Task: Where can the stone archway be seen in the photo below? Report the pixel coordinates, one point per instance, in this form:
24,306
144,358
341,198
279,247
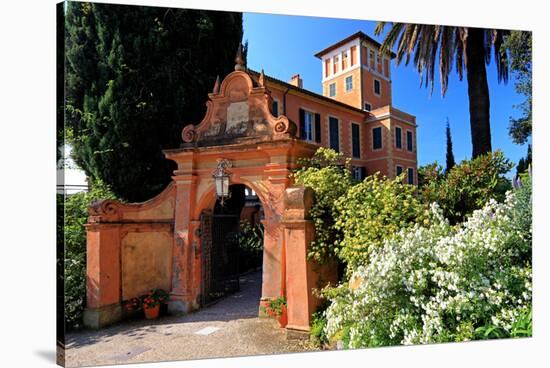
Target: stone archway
238,127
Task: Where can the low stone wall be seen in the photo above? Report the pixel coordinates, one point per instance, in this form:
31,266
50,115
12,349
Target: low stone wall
129,251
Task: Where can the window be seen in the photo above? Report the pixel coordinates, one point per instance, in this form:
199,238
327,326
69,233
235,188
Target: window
310,126
332,89
398,170
352,55
335,63
410,175
344,60
398,138
275,108
358,172
368,106
386,68
334,134
377,87
349,83
409,141
327,67
377,138
355,141
371,59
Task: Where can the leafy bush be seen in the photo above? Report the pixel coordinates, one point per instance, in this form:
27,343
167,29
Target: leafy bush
251,241
328,174
73,237
317,329
372,211
441,283
467,186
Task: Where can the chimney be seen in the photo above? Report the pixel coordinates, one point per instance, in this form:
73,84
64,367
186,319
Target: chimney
296,81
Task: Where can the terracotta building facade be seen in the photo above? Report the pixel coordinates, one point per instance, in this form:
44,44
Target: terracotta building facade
256,128
354,115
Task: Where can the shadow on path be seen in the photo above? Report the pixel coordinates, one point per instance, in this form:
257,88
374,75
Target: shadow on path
243,304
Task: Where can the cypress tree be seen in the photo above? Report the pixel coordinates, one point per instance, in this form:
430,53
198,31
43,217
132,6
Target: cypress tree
450,158
134,77
524,162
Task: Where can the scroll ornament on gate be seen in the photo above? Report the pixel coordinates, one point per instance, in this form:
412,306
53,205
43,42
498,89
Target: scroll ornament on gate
103,210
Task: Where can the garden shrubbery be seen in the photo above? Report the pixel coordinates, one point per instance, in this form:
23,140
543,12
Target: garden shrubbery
72,234
372,211
328,174
449,260
467,186
440,283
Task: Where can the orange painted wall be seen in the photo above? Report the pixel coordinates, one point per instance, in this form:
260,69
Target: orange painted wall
353,97
369,96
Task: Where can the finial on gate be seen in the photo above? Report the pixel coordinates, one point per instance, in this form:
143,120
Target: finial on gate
261,79
239,59
216,88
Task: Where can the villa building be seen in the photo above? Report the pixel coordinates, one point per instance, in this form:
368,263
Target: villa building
354,115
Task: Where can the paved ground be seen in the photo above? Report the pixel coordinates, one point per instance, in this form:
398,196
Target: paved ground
228,328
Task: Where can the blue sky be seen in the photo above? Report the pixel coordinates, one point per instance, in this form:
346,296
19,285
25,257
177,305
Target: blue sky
284,45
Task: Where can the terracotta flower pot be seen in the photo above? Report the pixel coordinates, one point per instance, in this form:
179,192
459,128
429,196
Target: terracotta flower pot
283,317
153,312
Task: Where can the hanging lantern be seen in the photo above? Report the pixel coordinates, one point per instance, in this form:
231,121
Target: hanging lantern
221,180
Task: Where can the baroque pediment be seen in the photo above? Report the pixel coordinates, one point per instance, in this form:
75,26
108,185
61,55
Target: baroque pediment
237,111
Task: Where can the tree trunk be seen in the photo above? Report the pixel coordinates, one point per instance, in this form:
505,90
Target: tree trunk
478,93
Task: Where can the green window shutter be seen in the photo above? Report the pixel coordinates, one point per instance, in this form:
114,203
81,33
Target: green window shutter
377,138
318,128
355,141
334,134
302,114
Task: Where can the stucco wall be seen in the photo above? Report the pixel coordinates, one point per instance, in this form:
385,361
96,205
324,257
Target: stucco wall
146,259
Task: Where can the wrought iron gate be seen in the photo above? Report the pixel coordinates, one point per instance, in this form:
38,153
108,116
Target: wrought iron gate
220,255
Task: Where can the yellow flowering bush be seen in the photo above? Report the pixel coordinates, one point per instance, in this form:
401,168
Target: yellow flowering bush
372,211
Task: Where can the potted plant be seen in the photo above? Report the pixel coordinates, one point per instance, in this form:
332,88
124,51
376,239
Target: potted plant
278,307
152,301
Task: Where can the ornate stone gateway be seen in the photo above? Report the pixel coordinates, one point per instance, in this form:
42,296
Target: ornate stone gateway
168,236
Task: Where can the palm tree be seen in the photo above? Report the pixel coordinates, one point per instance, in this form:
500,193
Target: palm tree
469,49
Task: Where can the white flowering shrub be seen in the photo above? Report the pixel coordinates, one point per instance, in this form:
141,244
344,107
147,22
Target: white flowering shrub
442,283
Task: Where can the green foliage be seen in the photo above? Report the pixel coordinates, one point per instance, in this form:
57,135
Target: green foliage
524,163
154,297
373,211
135,75
443,283
450,157
468,186
251,241
329,175
519,45
275,305
72,236
317,329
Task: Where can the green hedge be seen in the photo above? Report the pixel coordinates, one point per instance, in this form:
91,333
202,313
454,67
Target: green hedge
73,241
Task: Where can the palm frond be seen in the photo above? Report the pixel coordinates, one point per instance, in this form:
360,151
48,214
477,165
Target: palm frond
425,43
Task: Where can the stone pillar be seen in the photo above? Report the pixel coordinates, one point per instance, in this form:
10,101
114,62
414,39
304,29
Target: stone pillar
102,275
182,299
302,275
276,181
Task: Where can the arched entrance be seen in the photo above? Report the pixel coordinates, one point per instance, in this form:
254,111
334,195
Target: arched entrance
178,240
232,242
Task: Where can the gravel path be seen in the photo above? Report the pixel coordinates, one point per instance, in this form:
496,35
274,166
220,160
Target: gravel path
226,329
